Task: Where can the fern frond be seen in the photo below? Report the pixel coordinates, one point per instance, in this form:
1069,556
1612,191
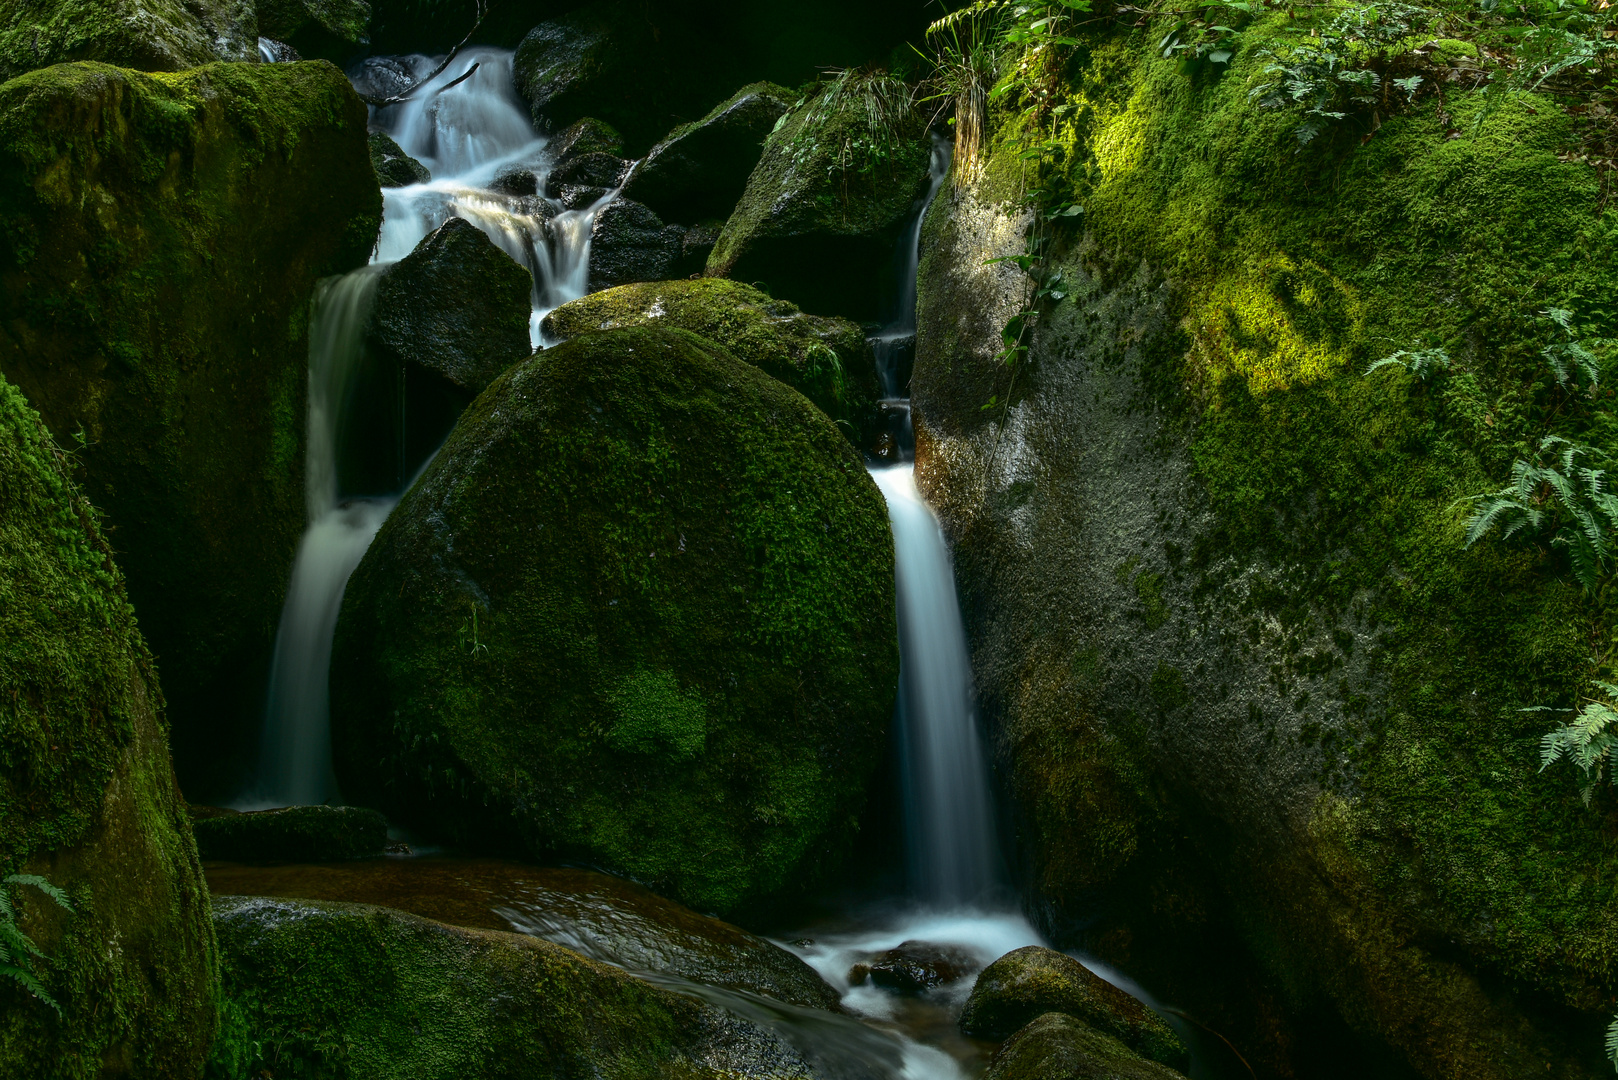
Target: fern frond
1612,1042
17,943
42,885
30,983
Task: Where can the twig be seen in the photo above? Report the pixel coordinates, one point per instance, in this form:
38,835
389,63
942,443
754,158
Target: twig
483,11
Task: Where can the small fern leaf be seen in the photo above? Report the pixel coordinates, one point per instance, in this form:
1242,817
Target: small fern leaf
42,885
30,983
1612,1042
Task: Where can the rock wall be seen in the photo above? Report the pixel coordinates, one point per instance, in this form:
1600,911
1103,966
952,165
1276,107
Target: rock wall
1255,710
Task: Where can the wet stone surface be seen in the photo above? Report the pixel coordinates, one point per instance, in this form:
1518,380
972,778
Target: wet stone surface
914,966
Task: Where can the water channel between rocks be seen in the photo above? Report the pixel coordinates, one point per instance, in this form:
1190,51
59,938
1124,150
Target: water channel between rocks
956,897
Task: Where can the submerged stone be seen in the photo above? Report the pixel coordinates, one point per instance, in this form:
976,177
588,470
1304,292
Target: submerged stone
87,797
370,993
289,834
1027,982
156,313
394,167
637,611
822,213
699,170
914,966
1059,1047
147,35
826,360
604,918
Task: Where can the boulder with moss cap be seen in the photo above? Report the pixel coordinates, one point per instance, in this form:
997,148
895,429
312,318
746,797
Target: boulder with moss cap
147,35
638,611
87,798
1055,1046
156,314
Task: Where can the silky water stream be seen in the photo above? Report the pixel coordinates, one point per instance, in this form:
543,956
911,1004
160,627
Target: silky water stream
955,897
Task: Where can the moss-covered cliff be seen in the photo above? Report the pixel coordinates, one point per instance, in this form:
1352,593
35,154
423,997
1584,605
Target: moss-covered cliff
87,797
1242,675
160,236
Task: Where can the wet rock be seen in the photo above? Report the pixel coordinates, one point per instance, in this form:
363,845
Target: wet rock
374,993
277,52
383,76
629,243
576,197
147,35
914,966
516,180
606,540
394,167
696,244
602,917
597,170
87,795
1027,982
826,360
166,323
1059,1047
819,221
318,29
699,170
290,834
457,305
586,136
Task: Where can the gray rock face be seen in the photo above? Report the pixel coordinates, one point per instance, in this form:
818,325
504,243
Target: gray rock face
394,167
290,834
630,243
596,169
1059,1047
457,306
1028,982
699,170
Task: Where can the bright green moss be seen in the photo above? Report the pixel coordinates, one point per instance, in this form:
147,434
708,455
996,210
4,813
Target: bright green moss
654,715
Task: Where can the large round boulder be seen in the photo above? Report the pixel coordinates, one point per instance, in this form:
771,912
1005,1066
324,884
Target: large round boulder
87,800
147,35
1058,1047
639,612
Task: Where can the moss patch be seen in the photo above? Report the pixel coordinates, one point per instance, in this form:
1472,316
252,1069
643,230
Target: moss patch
147,35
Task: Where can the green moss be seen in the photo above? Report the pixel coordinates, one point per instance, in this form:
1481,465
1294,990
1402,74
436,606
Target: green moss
147,35
87,797
639,519
149,301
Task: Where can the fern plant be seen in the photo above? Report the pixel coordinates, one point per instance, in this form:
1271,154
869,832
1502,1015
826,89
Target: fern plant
1586,741
17,949
1569,355
1419,362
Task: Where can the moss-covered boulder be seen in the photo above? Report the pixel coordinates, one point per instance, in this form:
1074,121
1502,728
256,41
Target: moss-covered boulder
827,360
605,918
1259,709
147,35
699,170
333,989
821,216
87,797
155,312
1059,1047
638,611
394,167
319,29
1027,983
289,834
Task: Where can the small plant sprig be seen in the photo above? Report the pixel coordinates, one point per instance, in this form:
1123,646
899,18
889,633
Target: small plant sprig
1422,363
1586,741
17,949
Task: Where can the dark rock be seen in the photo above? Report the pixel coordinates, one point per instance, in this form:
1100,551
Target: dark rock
290,834
167,323
826,360
629,243
457,305
574,197
277,52
1033,980
587,170
604,918
700,169
696,244
431,26
394,167
318,29
87,795
516,180
586,136
624,660
383,76
147,35
914,966
320,988
822,213
1058,1047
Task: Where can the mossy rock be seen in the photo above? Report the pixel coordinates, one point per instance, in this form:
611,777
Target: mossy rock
87,797
1059,1047
822,213
639,612
605,918
699,170
394,167
150,305
314,988
827,360
147,35
319,29
1027,983
291,834
1259,709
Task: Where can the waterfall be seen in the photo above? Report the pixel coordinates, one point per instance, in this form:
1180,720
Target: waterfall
465,135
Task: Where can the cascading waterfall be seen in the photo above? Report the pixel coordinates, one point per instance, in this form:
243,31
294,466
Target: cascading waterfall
465,135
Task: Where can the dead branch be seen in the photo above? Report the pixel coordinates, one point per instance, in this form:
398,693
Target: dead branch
483,11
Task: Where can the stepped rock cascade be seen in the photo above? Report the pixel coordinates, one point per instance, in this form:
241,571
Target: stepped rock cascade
464,134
